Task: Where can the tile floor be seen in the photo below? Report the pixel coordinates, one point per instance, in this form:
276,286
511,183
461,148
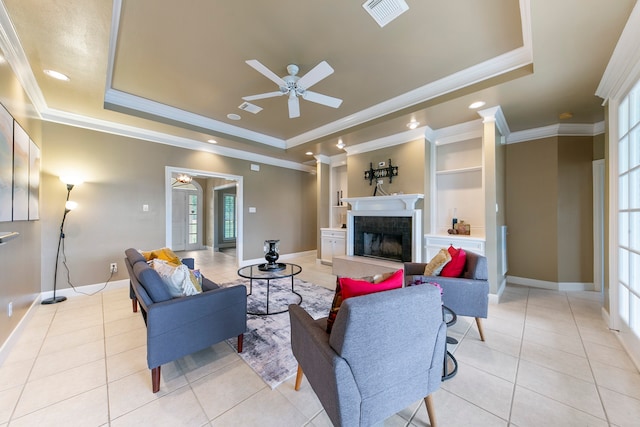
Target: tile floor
548,360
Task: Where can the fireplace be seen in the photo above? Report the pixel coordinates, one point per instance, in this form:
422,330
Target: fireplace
385,227
384,237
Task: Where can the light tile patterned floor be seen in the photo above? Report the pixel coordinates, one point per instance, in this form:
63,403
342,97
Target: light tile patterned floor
548,360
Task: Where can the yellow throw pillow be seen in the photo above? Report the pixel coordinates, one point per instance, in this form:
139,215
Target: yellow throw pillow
437,263
165,254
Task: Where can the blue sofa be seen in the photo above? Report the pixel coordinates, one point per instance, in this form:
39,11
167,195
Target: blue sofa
180,326
467,295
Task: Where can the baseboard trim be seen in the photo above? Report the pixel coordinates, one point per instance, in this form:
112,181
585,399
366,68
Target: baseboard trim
495,298
555,286
13,337
87,289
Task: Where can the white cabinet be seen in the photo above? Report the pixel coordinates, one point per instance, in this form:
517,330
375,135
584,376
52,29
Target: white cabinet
332,243
433,243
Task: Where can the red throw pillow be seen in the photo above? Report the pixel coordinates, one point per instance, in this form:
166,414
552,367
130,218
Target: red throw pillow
354,288
455,267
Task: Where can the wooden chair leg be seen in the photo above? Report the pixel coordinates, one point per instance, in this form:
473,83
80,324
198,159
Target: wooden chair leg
298,378
155,379
480,331
431,412
134,304
240,341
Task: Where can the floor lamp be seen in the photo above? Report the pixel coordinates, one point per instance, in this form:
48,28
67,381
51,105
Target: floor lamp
68,207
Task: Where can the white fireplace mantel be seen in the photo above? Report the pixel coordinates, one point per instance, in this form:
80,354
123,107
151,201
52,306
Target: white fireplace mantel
390,206
394,202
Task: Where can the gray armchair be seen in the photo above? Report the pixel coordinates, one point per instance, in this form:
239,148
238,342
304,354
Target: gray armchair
467,295
385,351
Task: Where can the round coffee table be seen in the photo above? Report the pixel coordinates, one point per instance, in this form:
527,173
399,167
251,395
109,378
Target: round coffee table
252,272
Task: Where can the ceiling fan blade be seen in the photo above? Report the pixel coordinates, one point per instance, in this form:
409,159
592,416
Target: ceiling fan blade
294,107
319,98
316,74
262,96
257,65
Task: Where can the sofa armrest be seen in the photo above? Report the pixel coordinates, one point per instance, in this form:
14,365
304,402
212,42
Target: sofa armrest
179,312
466,297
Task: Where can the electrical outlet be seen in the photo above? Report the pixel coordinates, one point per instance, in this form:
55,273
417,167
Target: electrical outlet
10,309
113,267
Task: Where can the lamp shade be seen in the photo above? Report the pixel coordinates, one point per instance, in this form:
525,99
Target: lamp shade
71,180
70,205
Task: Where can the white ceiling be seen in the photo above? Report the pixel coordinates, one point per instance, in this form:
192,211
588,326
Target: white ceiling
171,71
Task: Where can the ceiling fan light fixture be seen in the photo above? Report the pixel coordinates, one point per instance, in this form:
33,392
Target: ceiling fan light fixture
413,124
340,144
477,104
212,141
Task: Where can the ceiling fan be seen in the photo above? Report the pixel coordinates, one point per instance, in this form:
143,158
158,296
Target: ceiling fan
295,86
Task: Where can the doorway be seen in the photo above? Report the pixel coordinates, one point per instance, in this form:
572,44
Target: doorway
202,222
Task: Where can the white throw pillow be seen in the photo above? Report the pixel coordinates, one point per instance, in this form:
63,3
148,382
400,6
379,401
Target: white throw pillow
177,279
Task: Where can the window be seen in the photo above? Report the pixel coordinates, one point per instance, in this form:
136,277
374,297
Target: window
628,245
229,216
192,232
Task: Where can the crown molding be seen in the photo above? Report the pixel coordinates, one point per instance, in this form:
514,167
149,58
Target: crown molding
459,132
558,129
496,115
85,122
623,69
15,56
387,141
119,99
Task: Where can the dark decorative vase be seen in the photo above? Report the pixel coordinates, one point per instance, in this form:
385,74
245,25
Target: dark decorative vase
271,249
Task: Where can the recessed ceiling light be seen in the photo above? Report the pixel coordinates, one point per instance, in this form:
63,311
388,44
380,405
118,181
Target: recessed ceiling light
233,116
340,144
477,104
56,75
566,115
213,141
413,124
309,153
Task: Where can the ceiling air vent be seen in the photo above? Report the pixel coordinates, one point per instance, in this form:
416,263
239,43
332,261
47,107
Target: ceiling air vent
385,11
247,106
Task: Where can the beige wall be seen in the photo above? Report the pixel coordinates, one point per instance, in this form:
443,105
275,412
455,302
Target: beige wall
532,194
122,174
410,159
19,258
575,209
549,209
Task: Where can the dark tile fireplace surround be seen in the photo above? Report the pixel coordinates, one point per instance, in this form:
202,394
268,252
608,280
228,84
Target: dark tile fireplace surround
383,237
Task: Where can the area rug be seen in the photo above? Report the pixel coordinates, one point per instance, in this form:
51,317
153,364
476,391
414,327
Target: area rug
267,342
